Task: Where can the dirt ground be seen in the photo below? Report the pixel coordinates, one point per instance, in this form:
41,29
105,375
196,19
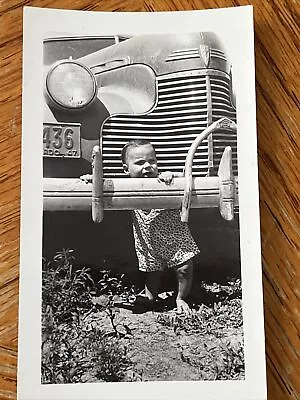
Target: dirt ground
163,346
91,332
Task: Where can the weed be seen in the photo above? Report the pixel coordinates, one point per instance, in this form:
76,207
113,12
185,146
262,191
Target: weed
233,361
110,288
224,360
114,285
66,293
71,351
206,320
218,360
73,355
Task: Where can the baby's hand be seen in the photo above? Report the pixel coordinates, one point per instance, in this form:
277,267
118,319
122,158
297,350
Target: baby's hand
166,177
88,178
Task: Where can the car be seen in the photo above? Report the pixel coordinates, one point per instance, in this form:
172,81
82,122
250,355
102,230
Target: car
174,90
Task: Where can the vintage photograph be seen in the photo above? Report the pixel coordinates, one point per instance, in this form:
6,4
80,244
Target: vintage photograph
141,277
140,251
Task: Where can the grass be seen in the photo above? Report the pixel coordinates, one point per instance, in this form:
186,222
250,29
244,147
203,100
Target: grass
220,355
76,347
227,314
72,351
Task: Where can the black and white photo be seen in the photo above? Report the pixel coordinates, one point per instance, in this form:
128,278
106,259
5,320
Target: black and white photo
143,203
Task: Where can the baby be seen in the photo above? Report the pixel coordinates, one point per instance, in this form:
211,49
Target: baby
161,240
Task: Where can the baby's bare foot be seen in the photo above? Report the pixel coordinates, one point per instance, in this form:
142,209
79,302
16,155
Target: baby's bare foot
182,307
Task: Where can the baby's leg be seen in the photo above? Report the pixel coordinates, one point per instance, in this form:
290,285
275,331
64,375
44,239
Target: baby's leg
152,284
184,273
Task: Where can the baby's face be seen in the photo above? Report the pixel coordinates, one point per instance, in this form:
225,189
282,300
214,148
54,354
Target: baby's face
141,162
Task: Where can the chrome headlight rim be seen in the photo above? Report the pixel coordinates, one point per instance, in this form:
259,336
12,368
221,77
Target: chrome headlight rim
61,104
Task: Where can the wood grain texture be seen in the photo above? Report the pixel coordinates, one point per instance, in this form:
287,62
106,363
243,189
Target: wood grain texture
278,117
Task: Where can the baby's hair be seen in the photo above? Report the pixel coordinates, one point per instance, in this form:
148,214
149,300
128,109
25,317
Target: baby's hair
133,143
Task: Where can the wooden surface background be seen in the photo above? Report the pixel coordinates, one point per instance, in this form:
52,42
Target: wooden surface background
277,85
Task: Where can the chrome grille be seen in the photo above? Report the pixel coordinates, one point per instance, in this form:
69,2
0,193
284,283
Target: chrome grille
218,54
179,116
222,107
184,54
181,113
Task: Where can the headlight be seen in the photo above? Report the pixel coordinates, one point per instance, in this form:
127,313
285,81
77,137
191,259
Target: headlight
71,84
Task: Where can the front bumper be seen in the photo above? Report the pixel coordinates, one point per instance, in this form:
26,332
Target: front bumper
64,194
130,194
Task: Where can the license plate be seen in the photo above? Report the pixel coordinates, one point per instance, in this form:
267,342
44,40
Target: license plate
61,140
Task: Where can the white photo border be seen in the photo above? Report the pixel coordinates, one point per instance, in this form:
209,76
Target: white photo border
235,27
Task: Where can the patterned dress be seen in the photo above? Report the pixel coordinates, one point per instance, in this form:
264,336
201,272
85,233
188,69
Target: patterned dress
161,239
